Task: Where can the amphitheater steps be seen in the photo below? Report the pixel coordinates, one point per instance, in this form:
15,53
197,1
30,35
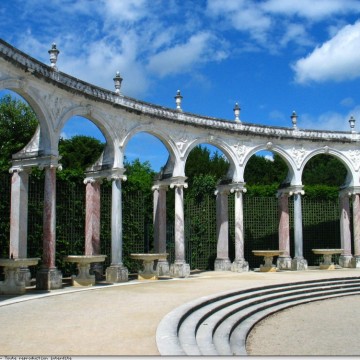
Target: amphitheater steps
219,324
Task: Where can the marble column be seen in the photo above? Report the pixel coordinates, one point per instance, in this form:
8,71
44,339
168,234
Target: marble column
345,233
116,272
298,263
222,261
19,219
49,277
284,260
356,230
239,264
180,268
159,220
92,223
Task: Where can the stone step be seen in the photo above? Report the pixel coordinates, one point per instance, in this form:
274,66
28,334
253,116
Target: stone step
205,326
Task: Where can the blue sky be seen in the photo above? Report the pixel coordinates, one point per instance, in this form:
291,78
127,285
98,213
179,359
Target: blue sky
270,56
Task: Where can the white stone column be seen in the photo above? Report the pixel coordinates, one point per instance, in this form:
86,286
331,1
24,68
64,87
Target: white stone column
222,261
284,260
298,263
49,277
92,222
159,221
345,233
356,230
116,272
19,218
239,264
180,268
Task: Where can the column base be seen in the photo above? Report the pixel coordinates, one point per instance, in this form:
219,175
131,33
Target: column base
12,285
180,269
345,261
97,269
299,264
117,273
48,279
162,268
283,263
222,265
355,261
240,265
25,275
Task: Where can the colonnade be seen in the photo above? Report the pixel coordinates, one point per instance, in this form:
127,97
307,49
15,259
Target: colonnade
49,277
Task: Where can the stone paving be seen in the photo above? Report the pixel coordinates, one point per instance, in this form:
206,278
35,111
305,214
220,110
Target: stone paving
121,319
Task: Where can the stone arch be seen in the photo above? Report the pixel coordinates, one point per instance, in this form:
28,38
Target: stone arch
90,113
235,172
174,154
293,175
351,178
43,139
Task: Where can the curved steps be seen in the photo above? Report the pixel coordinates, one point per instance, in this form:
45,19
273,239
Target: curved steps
219,324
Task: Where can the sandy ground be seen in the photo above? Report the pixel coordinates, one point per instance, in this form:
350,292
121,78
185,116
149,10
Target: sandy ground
329,327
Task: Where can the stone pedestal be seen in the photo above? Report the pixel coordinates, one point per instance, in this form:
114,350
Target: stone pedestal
117,273
345,261
12,285
48,279
355,261
240,265
222,265
162,268
299,263
284,263
180,269
97,269
24,275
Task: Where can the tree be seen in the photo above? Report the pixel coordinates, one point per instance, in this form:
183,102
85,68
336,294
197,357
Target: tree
18,123
79,152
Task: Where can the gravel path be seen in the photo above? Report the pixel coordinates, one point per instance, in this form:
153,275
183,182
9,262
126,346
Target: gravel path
329,327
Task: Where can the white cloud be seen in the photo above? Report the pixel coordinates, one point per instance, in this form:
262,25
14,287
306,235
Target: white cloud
337,59
181,58
310,9
330,120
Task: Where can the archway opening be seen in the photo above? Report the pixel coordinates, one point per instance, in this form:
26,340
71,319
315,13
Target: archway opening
265,172
146,157
206,167
322,178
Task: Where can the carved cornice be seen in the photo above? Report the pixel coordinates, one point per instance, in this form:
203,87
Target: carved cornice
39,70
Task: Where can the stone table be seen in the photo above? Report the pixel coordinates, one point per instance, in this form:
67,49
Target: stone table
12,285
268,259
148,273
83,278
327,254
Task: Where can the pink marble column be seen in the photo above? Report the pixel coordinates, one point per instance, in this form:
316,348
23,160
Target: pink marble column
19,219
19,213
284,261
356,228
222,261
92,220
159,221
49,277
345,233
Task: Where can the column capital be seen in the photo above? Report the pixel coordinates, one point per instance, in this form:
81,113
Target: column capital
91,180
160,185
296,190
350,191
222,189
178,182
117,174
20,169
237,187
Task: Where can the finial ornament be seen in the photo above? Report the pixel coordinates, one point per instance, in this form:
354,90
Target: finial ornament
294,119
178,99
352,124
53,52
237,113
117,82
